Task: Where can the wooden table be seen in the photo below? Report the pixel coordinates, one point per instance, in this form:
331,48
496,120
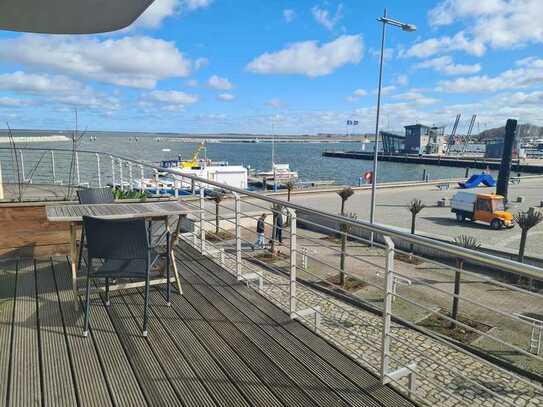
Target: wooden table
148,210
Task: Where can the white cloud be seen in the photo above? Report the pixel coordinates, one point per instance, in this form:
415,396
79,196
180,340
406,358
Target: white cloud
22,82
447,66
226,97
192,83
357,94
388,53
309,58
497,24
325,18
385,90
275,103
172,97
416,98
200,63
219,83
528,73
196,4
137,62
156,13
402,80
289,15
13,102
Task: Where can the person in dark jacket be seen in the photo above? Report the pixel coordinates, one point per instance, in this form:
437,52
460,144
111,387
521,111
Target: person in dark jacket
279,223
260,227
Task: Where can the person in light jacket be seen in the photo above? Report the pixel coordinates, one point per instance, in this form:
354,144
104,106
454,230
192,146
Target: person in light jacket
260,227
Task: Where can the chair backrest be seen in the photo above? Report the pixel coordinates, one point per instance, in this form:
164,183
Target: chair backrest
122,239
95,196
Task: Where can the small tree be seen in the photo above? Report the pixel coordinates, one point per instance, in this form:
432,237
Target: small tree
344,194
415,206
290,187
526,221
217,197
467,242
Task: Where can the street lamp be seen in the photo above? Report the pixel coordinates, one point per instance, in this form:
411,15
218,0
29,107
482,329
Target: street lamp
405,27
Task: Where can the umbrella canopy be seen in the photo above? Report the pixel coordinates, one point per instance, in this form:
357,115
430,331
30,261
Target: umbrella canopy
69,16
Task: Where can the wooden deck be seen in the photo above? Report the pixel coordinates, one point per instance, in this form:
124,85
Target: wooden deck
220,344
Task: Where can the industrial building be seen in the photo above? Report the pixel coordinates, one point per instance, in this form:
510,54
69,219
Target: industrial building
418,139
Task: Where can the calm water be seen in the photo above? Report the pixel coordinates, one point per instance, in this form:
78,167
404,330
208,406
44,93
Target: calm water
306,158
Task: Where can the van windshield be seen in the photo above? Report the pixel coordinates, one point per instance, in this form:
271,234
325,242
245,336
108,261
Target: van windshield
498,205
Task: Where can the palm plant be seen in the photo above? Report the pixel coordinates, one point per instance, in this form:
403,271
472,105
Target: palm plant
467,242
217,197
415,206
344,194
290,187
526,221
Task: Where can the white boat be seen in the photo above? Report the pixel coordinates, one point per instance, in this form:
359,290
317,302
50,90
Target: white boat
279,172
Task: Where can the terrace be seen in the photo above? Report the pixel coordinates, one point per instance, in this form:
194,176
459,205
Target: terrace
255,327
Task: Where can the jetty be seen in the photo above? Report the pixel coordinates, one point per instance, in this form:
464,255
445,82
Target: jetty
524,166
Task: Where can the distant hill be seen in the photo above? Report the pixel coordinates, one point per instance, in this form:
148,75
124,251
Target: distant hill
523,131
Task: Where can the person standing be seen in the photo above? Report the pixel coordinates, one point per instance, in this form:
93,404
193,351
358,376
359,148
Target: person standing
279,223
260,227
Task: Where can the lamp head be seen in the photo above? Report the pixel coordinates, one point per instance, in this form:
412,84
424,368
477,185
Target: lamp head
409,27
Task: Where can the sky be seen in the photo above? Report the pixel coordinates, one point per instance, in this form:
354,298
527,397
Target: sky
291,67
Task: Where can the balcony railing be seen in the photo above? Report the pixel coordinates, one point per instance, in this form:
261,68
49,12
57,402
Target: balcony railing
393,312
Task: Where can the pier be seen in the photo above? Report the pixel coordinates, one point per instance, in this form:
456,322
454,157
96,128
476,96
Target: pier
527,166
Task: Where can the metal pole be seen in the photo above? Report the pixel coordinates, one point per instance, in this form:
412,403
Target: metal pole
112,172
22,165
121,174
238,234
292,290
387,306
202,219
141,178
130,187
77,168
53,167
98,170
375,147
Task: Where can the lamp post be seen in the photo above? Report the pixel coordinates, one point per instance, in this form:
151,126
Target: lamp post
405,27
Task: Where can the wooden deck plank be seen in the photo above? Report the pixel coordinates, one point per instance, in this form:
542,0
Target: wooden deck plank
89,376
8,274
317,346
315,387
203,278
188,386
25,386
153,382
216,380
58,385
253,388
124,386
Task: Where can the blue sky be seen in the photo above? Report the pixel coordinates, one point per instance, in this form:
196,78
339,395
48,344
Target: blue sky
300,66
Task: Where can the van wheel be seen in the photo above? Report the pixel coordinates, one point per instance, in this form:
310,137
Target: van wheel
460,217
496,224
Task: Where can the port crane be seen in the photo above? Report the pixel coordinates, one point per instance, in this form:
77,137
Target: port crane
466,140
451,140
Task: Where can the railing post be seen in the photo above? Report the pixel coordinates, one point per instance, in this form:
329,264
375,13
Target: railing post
112,172
130,187
77,168
98,170
409,370
202,219
53,167
238,234
121,174
292,285
142,186
22,165
387,305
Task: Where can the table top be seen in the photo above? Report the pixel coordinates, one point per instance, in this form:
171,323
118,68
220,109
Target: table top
75,213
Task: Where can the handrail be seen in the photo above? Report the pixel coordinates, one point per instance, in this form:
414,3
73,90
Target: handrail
445,248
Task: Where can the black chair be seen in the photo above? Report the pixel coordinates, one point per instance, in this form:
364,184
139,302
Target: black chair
95,196
123,247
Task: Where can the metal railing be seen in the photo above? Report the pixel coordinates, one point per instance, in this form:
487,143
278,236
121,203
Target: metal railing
396,323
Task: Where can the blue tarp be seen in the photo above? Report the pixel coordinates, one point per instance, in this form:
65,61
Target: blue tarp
476,179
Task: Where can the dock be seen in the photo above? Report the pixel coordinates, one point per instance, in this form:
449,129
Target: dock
529,167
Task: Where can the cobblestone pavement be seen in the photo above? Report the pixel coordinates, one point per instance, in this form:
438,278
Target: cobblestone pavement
445,376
